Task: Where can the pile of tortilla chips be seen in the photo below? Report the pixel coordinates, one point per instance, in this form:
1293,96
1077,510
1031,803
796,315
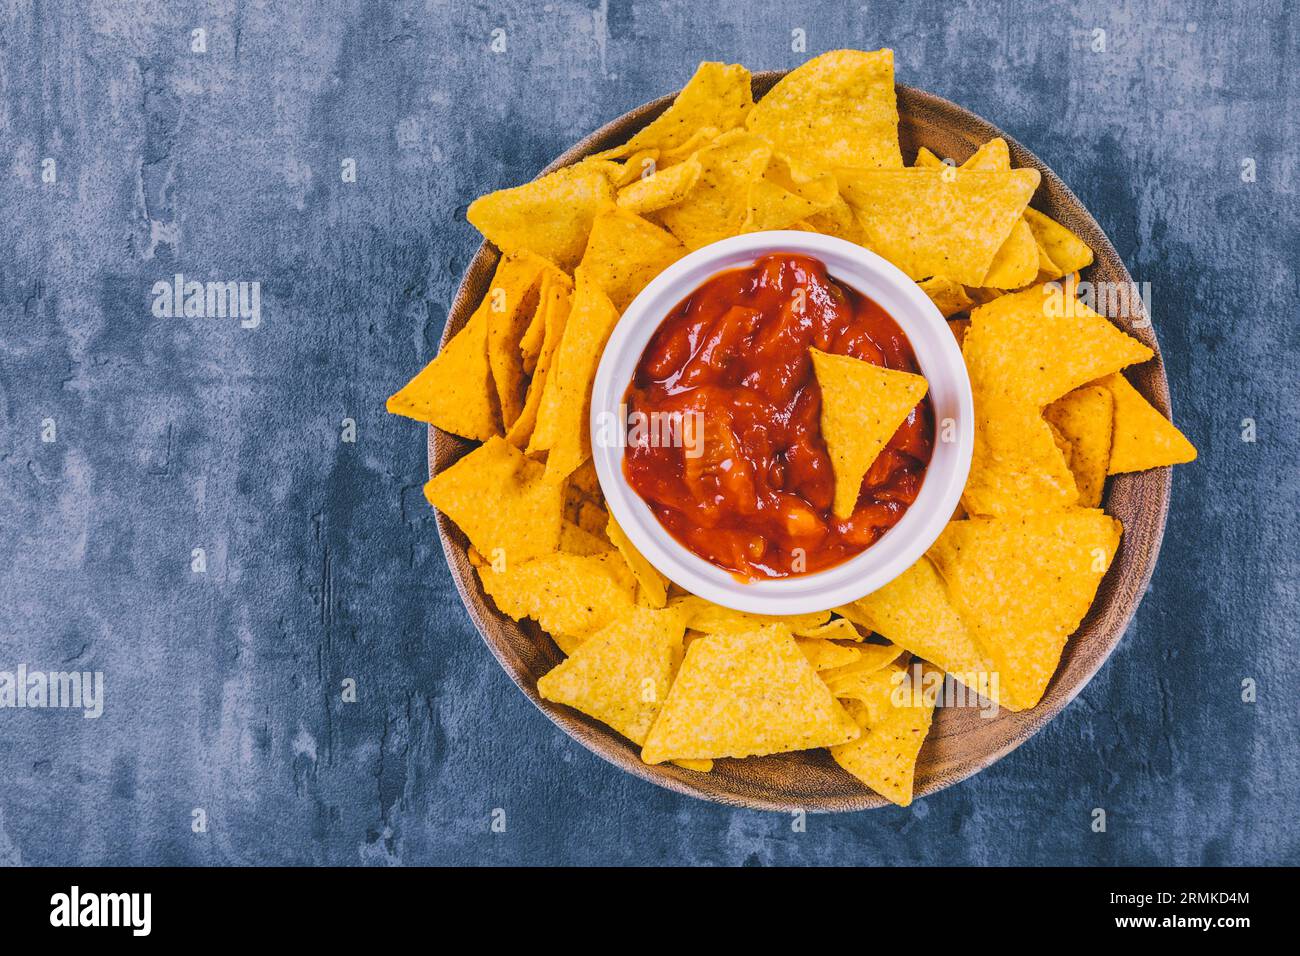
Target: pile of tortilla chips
997,596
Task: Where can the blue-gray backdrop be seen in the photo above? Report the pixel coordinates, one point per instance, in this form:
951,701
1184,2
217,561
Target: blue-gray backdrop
134,148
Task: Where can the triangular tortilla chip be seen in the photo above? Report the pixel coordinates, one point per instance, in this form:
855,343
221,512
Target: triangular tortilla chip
556,286
639,165
455,391
1085,418
949,297
1022,586
836,630
502,501
1066,251
566,402
1143,437
653,590
621,674
862,406
717,98
914,612
555,299
894,726
570,594
851,681
836,110
717,206
743,695
1016,465
787,194
993,156
824,655
550,216
1040,343
512,302
625,252
666,187
938,222
577,540
1015,264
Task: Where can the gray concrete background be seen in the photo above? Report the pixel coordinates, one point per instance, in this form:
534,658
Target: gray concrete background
223,688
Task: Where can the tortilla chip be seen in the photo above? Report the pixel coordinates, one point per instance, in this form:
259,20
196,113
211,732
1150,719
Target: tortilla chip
567,643
710,618
699,766
455,391
717,97
1015,264
872,658
577,540
639,165
1016,465
836,110
550,216
666,187
837,219
993,156
625,252
824,655
959,327
1066,252
1022,586
893,731
1085,418
949,297
1036,345
554,303
718,204
787,194
1143,437
742,695
914,612
653,591
622,673
556,287
501,500
925,159
570,594
585,480
932,222
591,517
862,407
566,402
512,301
836,630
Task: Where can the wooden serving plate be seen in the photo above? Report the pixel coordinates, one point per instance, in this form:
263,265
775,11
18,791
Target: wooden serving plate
961,742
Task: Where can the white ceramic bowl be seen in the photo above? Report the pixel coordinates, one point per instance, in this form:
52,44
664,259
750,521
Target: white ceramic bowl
949,390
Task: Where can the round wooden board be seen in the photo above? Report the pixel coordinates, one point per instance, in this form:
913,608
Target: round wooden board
961,742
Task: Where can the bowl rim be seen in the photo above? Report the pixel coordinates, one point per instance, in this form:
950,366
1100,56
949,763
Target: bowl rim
943,479
1118,590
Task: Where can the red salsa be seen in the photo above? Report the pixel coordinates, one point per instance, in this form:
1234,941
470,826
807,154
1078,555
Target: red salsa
724,440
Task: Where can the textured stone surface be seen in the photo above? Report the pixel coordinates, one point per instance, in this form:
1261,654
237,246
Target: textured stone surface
223,688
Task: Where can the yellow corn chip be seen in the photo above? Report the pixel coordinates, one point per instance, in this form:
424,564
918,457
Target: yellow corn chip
556,286
862,407
718,204
556,297
699,766
993,156
873,657
1085,419
948,296
566,402
1066,251
591,517
625,252
585,480
621,674
523,519
639,165
742,695
550,216
717,97
824,655
666,187
1040,343
1015,264
512,301
679,154
836,630
837,110
787,194
1016,465
1022,586
567,643
710,618
653,590
577,540
938,222
837,219
927,160
914,612
893,731
1143,437
455,391
569,594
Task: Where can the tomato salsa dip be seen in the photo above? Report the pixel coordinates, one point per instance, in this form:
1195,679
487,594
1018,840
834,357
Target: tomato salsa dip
750,488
